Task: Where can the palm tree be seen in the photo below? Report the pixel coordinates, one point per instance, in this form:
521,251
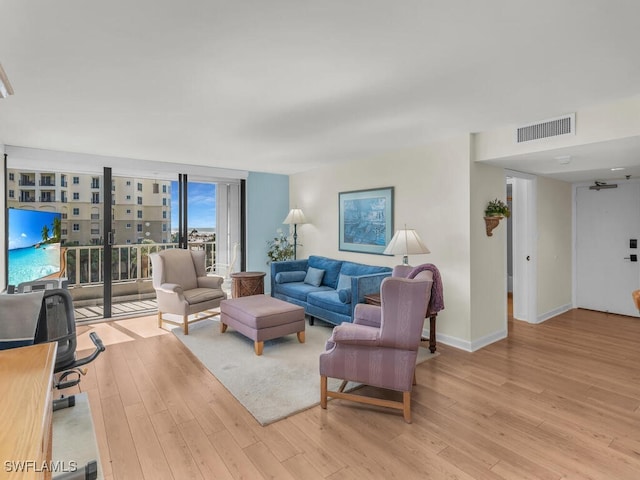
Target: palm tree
57,229
45,233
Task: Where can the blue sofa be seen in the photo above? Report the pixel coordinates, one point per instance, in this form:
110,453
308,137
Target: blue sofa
331,295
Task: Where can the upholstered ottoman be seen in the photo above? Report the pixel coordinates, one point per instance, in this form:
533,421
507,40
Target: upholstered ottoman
262,317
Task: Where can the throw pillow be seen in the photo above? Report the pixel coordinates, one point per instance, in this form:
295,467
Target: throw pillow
344,281
344,295
314,276
294,276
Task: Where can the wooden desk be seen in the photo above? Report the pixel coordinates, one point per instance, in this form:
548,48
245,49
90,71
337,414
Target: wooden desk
26,403
245,284
374,299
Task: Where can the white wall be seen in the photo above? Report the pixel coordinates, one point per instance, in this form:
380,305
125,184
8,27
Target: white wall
432,195
488,259
554,246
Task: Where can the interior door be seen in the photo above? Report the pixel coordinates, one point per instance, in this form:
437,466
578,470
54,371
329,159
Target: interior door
606,223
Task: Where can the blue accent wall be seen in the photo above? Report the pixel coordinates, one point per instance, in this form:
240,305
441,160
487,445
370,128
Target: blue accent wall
267,207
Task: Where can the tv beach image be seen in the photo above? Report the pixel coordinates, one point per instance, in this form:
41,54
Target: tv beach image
34,245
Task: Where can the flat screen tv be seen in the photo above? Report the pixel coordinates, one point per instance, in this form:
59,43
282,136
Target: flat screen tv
33,245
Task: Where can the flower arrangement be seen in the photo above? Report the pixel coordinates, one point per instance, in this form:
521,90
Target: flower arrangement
280,248
497,208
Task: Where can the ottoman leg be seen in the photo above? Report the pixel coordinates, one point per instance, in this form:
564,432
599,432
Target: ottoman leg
301,336
258,346
223,327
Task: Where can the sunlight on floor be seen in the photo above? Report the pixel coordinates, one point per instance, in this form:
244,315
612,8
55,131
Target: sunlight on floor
119,331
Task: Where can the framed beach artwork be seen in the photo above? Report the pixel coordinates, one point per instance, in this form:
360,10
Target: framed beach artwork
366,220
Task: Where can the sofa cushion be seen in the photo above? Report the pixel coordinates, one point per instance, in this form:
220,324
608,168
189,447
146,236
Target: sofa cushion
298,290
294,276
344,294
314,276
356,269
331,269
329,300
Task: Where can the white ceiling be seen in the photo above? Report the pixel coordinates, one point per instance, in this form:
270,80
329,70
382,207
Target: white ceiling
289,85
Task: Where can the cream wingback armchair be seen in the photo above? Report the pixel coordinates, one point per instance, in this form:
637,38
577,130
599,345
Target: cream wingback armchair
183,286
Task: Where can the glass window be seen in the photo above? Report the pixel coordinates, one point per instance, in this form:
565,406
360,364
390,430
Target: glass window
139,187
140,227
11,177
128,211
139,200
76,196
76,227
76,180
12,194
76,211
128,225
139,213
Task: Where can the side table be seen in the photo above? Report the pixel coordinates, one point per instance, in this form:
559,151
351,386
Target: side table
374,299
245,284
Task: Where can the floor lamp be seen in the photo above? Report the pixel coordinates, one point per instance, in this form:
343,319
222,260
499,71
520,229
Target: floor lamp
295,218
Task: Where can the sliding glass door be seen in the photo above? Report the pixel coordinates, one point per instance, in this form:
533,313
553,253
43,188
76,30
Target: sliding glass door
102,224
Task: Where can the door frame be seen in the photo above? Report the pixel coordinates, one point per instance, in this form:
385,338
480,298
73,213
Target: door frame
524,238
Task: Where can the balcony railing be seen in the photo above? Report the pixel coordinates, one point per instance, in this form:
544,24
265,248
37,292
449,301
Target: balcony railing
84,265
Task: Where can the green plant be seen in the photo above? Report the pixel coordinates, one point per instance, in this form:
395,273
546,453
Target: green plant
280,248
497,208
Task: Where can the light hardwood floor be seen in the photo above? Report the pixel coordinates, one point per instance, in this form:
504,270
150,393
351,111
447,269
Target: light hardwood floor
555,400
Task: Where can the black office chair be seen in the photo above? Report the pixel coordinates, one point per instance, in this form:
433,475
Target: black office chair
57,323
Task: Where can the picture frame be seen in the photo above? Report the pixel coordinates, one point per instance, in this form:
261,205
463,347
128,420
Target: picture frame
365,220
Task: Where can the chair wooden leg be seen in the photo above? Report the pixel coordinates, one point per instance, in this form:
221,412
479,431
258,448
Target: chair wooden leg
301,337
343,385
323,391
258,347
159,319
185,327
406,404
415,382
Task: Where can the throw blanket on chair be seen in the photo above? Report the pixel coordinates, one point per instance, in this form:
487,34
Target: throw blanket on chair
436,302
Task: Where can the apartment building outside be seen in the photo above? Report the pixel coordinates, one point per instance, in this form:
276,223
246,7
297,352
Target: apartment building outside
141,207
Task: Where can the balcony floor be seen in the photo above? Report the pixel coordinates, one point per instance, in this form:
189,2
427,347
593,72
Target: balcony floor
121,309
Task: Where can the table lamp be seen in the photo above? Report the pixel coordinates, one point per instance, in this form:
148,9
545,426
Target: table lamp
406,242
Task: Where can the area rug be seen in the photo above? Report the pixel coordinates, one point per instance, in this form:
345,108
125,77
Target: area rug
282,381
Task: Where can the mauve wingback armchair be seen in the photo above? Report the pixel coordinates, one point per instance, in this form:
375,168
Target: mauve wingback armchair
380,347
183,287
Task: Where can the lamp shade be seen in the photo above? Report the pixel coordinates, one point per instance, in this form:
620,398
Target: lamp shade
295,217
406,242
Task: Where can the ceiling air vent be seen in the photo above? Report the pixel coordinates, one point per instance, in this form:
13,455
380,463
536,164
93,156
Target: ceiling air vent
554,127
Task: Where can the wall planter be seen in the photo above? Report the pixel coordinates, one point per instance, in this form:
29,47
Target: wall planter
495,211
491,223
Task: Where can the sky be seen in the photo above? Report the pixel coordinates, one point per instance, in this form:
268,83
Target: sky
202,205
25,227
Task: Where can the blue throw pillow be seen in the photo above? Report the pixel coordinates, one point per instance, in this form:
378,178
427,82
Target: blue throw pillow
344,295
294,276
314,276
344,281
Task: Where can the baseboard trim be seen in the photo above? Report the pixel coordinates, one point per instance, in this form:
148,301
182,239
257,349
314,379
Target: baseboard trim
467,345
555,312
